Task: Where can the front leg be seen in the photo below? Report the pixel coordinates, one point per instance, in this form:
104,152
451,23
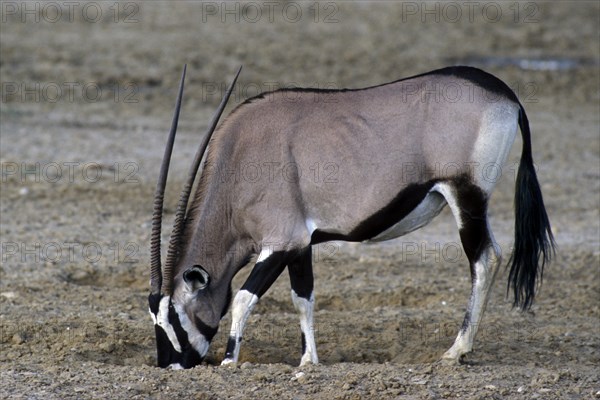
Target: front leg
267,269
302,282
243,304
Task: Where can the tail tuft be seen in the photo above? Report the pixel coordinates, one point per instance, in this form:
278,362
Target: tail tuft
534,243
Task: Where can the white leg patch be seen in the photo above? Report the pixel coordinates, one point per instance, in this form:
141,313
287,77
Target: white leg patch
485,271
305,308
243,303
446,190
264,254
311,226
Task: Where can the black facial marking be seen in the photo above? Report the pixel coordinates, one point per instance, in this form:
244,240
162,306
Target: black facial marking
182,336
165,351
191,358
207,331
154,302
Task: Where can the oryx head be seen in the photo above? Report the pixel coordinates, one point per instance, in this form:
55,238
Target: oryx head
180,293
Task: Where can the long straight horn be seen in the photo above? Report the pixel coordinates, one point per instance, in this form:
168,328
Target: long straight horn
172,254
155,271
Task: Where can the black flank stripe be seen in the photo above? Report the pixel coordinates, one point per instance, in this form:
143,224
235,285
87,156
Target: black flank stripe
406,201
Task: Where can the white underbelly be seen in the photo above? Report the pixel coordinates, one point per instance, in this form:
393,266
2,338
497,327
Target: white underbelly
430,207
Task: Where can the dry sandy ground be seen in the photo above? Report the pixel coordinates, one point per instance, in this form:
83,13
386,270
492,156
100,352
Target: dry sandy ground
88,98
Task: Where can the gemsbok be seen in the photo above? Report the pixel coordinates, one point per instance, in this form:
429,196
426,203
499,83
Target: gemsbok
458,116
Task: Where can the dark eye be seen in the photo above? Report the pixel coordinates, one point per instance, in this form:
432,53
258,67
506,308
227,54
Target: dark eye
196,278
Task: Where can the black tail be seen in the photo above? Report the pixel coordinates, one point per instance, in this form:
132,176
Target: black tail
534,242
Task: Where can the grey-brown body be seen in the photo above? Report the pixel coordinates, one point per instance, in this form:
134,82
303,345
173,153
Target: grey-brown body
293,168
322,135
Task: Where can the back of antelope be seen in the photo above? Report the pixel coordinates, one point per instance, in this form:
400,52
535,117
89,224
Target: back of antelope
370,134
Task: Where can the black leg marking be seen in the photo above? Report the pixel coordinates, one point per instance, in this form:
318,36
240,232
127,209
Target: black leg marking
302,282
265,273
470,211
231,343
474,233
303,343
301,274
260,280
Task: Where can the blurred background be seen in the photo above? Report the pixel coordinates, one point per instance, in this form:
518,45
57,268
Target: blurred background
138,49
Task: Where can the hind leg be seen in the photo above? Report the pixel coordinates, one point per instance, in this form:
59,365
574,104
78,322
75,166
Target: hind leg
301,280
469,207
483,272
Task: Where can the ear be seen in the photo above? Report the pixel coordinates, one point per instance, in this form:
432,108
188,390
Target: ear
196,278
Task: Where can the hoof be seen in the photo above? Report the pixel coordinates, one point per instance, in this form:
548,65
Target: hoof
228,362
450,361
307,359
452,357
306,363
